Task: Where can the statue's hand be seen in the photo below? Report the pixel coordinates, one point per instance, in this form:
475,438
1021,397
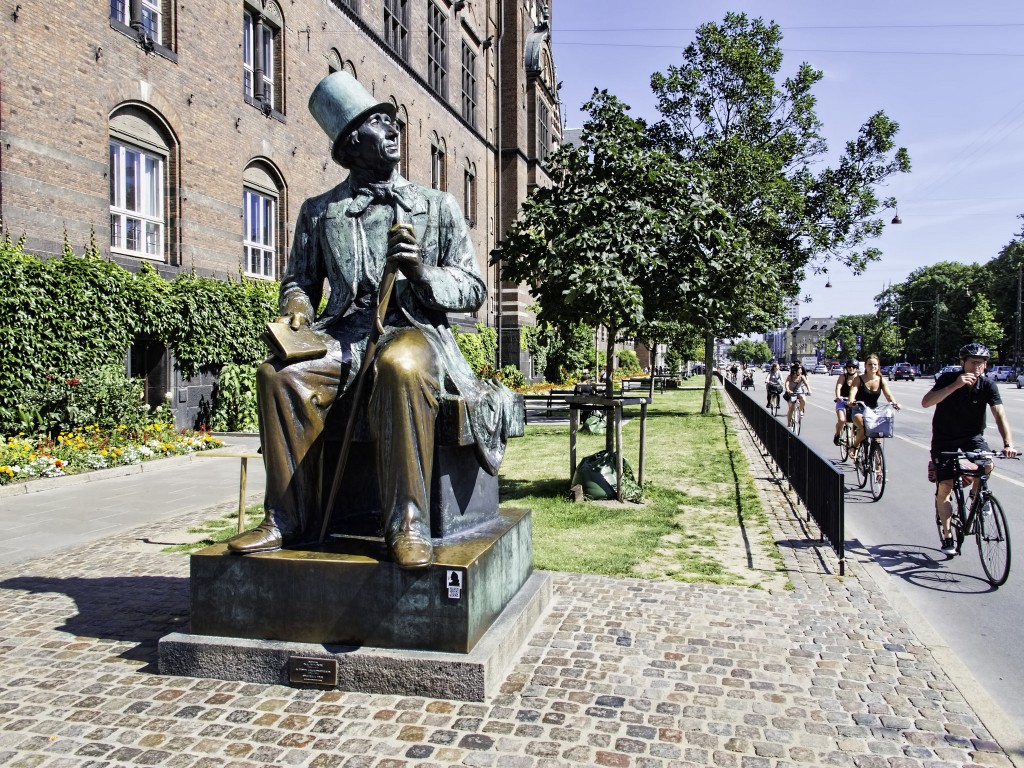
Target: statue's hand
295,320
404,252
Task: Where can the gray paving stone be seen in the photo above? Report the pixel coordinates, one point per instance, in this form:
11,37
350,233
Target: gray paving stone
620,672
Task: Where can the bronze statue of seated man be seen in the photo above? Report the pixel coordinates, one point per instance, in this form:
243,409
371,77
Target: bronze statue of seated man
349,236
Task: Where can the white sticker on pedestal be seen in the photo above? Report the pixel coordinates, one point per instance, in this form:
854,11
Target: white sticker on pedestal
454,581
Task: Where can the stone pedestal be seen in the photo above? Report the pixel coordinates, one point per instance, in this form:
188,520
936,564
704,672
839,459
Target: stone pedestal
348,602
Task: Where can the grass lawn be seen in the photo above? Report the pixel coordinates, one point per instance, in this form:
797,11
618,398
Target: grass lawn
700,520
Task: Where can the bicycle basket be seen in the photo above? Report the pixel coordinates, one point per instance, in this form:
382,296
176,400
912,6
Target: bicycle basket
879,422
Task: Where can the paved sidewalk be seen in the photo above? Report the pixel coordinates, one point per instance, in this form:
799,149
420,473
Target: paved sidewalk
620,672
77,509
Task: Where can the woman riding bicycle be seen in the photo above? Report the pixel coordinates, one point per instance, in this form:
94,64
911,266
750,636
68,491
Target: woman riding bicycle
796,387
864,393
773,384
842,394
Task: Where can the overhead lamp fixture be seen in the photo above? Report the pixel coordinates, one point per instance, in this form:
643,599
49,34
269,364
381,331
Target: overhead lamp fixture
896,219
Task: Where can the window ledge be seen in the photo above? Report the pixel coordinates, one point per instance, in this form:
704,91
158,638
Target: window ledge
137,255
279,116
136,36
254,276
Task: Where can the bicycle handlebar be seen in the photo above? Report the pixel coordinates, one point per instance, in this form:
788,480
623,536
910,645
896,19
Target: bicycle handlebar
975,455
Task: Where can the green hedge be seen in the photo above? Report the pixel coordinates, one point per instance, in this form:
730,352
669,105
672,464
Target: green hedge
64,318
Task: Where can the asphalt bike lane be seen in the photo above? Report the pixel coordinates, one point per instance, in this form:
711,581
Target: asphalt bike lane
978,623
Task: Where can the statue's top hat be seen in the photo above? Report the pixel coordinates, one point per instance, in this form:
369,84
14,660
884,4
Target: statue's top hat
339,103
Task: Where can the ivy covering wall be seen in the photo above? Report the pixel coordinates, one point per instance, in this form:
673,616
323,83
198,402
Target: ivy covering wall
65,317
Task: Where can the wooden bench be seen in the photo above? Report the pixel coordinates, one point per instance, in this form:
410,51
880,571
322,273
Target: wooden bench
648,385
552,400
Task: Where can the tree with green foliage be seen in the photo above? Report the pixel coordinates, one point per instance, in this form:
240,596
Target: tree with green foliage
980,324
479,349
931,307
751,352
629,363
593,246
1005,272
756,137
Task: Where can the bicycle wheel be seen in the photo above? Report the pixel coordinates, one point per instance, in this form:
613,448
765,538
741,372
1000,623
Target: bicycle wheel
876,471
845,441
860,464
993,536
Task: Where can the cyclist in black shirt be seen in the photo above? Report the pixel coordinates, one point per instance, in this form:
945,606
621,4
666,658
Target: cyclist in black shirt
960,398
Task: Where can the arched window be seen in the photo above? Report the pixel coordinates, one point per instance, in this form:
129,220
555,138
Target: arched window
402,119
469,193
142,156
262,220
438,169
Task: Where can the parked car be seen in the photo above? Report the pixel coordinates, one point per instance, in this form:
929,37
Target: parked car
1000,373
837,370
903,371
820,369
885,370
1020,381
946,369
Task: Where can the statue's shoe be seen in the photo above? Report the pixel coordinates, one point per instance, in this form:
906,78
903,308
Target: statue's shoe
266,537
408,537
409,549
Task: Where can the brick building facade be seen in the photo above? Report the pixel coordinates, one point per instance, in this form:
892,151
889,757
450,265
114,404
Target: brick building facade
178,132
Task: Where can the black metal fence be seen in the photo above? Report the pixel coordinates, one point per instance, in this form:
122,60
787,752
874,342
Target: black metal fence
816,481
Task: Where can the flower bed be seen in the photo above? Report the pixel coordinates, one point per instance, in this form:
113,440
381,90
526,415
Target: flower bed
88,448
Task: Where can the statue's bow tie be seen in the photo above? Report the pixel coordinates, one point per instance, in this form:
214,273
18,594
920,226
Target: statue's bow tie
377,195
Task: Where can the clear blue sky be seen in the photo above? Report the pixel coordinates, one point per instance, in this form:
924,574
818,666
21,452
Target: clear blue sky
949,72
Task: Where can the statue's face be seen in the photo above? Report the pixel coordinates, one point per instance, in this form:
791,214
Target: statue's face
377,145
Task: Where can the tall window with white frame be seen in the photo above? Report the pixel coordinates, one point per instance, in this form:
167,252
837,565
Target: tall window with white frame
468,84
148,17
136,201
259,213
261,52
437,49
396,27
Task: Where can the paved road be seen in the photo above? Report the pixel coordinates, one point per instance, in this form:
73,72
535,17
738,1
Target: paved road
980,624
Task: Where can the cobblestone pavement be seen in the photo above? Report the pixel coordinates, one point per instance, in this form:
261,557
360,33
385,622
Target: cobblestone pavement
620,672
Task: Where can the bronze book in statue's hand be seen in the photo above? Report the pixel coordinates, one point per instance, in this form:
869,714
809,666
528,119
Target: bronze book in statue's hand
291,345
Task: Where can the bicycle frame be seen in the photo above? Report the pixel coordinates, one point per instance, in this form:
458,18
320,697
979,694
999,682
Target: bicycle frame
982,516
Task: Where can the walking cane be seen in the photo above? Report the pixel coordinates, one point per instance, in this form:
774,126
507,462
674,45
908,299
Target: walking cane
387,284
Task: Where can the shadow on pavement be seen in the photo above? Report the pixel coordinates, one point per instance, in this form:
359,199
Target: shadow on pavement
130,609
925,567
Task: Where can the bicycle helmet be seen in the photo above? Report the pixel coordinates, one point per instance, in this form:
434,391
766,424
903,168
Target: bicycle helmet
851,363
974,349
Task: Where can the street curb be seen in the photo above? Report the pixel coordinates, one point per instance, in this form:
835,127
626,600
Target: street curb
151,465
51,483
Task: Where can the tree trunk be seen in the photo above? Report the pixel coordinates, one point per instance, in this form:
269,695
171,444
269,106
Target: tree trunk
709,354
